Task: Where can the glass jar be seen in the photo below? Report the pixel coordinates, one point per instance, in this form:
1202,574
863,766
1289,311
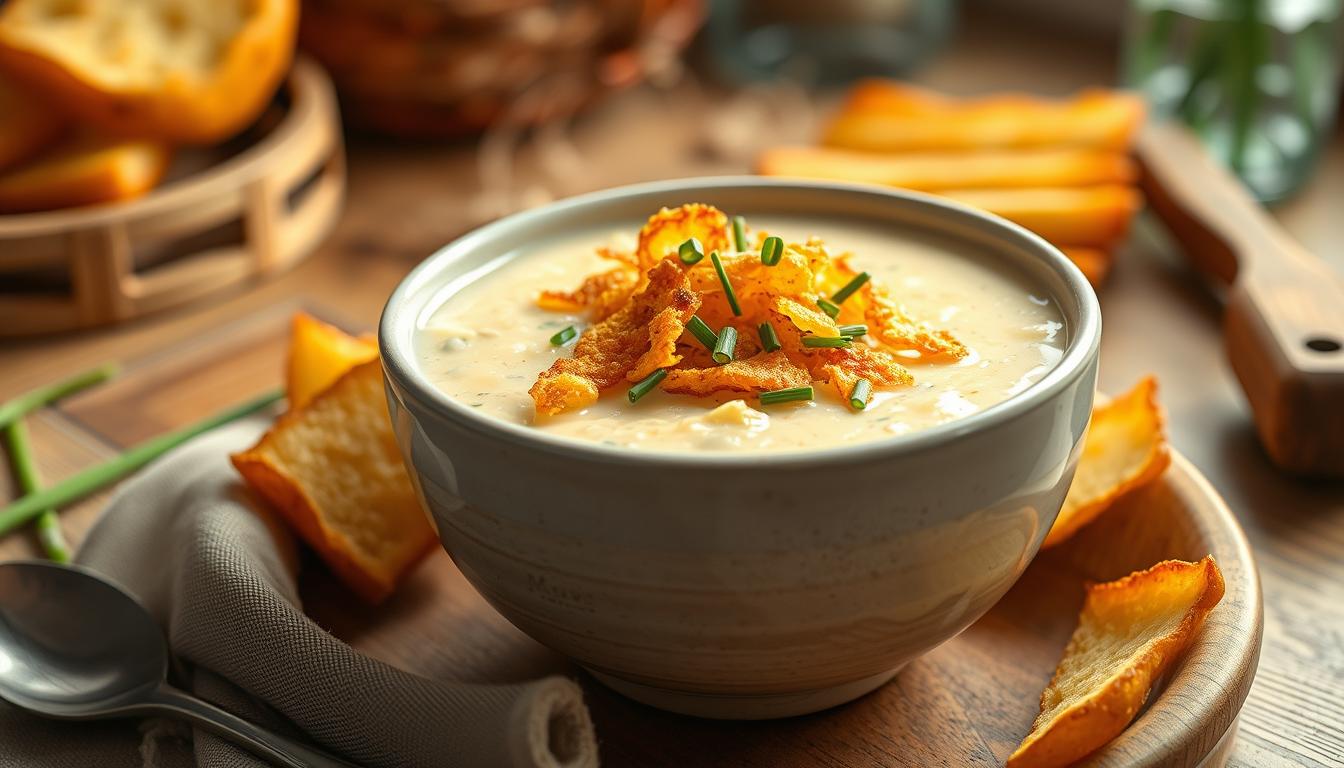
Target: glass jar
828,42
1258,80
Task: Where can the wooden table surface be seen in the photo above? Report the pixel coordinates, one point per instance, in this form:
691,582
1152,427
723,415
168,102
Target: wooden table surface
405,201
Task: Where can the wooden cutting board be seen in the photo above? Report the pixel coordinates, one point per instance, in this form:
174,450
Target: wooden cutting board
967,703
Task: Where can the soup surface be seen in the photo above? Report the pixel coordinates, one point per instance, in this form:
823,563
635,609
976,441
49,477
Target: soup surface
486,343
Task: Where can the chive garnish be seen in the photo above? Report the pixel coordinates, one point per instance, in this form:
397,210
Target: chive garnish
858,399
690,252
564,336
769,341
850,288
723,350
644,387
727,286
854,331
740,233
703,332
789,395
771,251
828,307
827,341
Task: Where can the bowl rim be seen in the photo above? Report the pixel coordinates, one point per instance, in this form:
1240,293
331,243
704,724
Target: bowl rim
404,376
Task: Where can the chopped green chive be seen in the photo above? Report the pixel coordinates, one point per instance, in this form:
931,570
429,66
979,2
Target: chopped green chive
854,331
690,252
771,251
740,233
789,395
828,307
827,341
565,336
850,288
646,386
723,350
769,341
858,399
727,286
98,476
703,332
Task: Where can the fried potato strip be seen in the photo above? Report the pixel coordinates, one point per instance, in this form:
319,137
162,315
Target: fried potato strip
1125,448
640,336
1129,634
934,171
761,373
890,117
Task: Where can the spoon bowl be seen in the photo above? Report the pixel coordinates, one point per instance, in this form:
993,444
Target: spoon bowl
76,647
72,645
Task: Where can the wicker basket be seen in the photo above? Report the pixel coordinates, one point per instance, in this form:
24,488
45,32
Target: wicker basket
445,68
252,207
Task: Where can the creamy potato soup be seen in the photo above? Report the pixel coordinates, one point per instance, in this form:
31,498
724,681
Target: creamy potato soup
487,343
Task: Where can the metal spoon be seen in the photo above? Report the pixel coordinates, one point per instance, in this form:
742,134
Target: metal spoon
75,647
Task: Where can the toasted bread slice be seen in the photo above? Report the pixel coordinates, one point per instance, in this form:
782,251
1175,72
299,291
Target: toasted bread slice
26,125
318,355
1130,632
84,172
332,469
193,71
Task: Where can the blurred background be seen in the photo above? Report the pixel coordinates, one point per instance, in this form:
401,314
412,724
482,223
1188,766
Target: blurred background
146,162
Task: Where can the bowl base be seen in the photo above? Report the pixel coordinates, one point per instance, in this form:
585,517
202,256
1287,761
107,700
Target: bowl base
745,707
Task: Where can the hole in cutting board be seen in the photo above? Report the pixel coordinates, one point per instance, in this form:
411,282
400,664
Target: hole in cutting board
1322,344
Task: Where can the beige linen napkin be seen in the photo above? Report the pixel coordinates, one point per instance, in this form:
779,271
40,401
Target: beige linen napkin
190,542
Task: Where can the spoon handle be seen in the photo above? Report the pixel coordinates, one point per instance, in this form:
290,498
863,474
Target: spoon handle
276,748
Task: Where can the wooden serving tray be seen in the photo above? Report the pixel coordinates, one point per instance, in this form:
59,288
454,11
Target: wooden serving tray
226,215
969,702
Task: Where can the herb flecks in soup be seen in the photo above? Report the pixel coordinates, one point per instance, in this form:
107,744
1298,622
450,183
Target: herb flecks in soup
705,335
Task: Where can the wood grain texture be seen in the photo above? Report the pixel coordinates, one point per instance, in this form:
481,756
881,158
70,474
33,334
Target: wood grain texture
1160,318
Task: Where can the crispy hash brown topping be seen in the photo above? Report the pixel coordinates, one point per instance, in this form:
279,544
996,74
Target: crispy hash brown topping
640,336
640,309
760,373
667,229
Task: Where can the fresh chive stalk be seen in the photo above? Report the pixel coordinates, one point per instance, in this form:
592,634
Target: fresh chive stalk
739,233
723,350
833,342
701,331
727,286
564,337
772,250
31,401
829,307
792,394
95,478
850,288
690,252
854,331
858,399
769,341
646,386
25,473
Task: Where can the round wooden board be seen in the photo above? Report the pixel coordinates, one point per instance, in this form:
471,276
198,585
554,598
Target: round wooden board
969,702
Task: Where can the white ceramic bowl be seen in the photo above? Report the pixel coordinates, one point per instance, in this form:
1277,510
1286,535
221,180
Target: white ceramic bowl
741,585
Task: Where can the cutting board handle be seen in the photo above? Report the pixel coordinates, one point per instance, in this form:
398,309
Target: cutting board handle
1284,319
